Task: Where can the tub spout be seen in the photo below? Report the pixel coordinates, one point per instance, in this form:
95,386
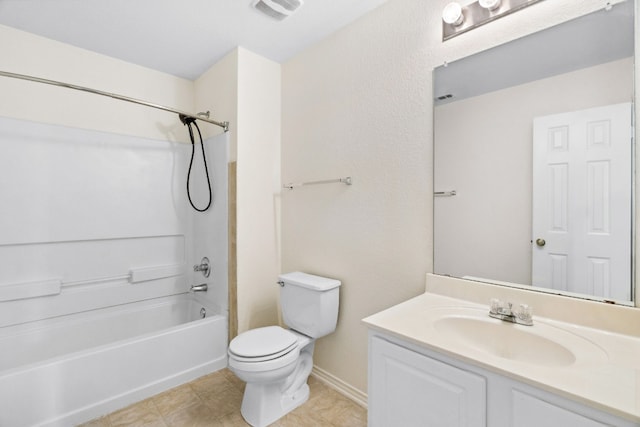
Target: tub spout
199,288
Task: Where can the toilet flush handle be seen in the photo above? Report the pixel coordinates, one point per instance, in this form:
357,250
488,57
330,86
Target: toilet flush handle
281,283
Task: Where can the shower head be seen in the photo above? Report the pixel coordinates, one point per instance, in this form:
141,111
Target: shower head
277,9
186,119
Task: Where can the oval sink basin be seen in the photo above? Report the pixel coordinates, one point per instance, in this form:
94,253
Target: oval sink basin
508,341
540,344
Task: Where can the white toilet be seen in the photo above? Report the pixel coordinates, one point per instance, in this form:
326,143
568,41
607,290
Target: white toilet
275,362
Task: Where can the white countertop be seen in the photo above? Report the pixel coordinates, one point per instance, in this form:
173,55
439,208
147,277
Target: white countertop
608,378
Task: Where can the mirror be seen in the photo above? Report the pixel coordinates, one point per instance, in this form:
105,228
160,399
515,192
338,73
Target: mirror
533,160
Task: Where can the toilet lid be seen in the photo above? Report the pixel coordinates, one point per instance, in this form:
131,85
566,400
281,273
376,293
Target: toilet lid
263,343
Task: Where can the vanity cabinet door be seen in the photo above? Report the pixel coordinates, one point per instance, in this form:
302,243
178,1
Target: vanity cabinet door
409,389
532,411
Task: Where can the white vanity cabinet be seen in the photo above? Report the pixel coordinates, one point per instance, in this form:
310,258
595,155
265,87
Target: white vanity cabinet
407,388
412,386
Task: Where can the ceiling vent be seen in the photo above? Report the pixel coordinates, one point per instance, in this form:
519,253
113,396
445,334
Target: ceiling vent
277,9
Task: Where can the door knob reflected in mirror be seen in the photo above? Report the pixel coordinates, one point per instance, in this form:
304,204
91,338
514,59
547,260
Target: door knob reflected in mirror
540,242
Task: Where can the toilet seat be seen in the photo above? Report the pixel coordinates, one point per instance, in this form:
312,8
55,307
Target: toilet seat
262,344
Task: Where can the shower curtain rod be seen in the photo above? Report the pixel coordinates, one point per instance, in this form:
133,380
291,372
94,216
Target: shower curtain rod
223,125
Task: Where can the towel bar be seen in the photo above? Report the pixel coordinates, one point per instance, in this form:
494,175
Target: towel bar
346,180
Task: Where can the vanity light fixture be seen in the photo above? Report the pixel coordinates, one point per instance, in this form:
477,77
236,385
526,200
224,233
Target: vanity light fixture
457,19
489,4
452,14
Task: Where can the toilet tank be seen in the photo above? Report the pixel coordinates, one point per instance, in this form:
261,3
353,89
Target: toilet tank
309,303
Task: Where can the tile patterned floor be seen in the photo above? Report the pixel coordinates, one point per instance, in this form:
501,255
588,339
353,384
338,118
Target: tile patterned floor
214,400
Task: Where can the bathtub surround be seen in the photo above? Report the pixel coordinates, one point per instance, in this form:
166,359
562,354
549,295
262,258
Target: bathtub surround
67,219
97,232
105,216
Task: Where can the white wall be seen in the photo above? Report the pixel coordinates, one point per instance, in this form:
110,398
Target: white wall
360,103
487,159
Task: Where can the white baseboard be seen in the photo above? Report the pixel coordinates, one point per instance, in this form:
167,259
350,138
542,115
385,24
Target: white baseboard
340,386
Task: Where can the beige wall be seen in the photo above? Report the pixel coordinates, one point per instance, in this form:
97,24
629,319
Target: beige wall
245,89
360,103
216,91
25,53
258,186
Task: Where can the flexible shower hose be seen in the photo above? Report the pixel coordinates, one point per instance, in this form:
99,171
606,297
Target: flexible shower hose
188,121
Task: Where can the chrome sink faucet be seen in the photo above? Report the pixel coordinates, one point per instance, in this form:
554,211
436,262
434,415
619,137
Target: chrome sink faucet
503,310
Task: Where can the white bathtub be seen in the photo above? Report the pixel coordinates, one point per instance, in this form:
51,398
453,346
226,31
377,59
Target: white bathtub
68,370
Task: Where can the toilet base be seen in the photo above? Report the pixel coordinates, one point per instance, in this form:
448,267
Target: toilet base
269,395
264,404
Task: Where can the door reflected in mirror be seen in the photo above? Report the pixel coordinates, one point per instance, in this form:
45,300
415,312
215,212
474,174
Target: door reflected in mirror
535,139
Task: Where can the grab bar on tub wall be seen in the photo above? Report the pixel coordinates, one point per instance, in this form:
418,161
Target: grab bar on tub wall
152,273
15,291
40,288
136,275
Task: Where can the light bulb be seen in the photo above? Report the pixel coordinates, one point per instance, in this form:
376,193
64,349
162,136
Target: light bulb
489,4
452,14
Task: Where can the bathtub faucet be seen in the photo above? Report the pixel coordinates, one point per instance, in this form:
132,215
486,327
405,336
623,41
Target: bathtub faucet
199,288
